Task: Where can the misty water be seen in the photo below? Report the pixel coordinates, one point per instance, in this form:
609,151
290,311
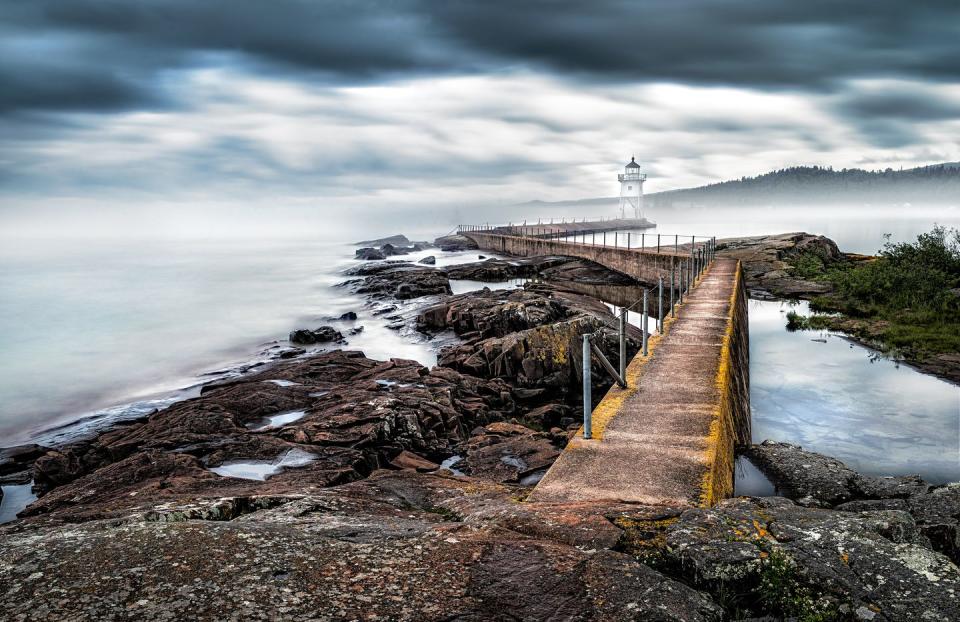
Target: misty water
108,329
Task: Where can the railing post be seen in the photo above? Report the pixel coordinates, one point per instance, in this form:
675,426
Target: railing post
628,240
623,344
587,398
673,270
604,238
658,243
643,241
676,244
660,305
680,282
645,323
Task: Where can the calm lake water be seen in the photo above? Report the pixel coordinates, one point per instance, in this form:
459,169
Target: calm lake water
109,329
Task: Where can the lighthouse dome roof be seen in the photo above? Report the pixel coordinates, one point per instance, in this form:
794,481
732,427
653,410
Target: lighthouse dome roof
633,164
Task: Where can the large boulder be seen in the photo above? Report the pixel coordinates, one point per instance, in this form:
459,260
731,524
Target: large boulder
369,253
453,243
813,479
324,334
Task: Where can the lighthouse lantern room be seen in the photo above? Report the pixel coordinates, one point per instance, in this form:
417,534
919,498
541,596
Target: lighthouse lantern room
631,190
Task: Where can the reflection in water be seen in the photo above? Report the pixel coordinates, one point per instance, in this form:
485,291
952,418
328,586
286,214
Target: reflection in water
820,391
750,481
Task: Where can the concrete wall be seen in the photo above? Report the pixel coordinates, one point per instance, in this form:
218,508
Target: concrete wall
645,266
730,427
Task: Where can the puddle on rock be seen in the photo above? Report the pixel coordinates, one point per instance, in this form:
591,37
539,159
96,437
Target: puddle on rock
275,421
449,462
262,469
749,481
284,383
15,498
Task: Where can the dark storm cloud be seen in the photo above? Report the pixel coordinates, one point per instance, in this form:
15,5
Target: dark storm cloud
87,54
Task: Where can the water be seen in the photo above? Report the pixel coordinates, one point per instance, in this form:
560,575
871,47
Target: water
462,286
262,469
821,391
278,420
15,499
749,481
111,329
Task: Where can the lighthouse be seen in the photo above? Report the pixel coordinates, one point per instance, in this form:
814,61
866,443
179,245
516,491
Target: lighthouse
631,190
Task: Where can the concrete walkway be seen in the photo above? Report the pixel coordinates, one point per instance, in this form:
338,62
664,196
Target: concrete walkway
669,437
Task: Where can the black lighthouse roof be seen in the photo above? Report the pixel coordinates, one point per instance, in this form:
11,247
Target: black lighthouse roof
633,164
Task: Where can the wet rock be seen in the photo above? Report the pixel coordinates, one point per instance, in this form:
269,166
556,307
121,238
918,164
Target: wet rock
493,270
324,334
401,280
389,250
397,240
369,254
16,463
355,330
452,243
290,353
504,452
349,316
429,260
357,414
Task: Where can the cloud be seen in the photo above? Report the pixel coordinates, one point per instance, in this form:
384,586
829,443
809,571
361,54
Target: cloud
86,54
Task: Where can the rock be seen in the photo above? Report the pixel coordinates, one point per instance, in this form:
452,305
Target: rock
815,479
369,253
503,452
453,243
389,250
324,334
824,480
356,330
349,316
494,270
768,262
481,256
401,280
396,240
291,353
530,338
409,460
16,462
357,414
399,546
429,260
788,561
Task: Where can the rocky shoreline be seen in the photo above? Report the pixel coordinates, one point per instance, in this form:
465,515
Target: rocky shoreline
391,490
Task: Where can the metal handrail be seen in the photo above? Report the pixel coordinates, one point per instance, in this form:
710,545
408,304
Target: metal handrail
695,269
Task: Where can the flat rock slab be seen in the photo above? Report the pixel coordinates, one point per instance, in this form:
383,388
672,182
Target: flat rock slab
651,440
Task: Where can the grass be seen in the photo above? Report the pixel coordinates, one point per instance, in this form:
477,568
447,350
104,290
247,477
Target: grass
906,300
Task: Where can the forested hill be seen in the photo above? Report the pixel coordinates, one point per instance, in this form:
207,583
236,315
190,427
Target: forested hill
819,185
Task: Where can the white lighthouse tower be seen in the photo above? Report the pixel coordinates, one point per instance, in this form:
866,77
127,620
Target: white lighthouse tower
631,190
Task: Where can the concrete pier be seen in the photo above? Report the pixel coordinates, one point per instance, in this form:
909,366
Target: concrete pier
669,437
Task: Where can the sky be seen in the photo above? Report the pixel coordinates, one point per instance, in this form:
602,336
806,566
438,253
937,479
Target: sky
110,108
